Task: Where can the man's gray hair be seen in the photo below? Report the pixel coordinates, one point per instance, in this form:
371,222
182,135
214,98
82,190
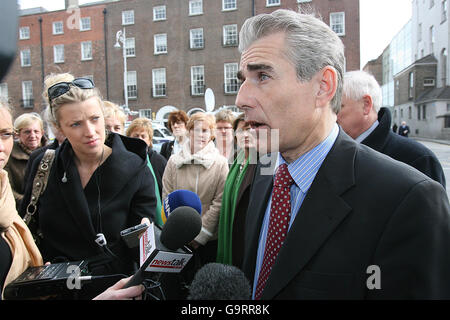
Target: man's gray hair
357,84
310,44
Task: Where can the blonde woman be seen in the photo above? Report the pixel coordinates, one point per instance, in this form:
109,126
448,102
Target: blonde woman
17,248
29,129
114,117
200,168
98,184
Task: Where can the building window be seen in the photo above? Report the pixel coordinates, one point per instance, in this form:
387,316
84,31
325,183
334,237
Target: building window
432,39
196,38
24,33
145,113
431,3
58,27
159,13
85,24
447,122
230,35
86,50
428,82
4,91
337,23
127,17
132,84
419,32
411,85
197,80
271,3
25,58
195,7
27,94
418,112
58,53
160,43
409,112
159,82
424,112
302,1
130,47
230,77
229,5
444,9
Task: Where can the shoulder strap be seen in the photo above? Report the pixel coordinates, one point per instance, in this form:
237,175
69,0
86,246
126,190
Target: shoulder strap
39,183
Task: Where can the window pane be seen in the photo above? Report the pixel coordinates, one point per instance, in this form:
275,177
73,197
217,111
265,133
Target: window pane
159,82
160,43
197,80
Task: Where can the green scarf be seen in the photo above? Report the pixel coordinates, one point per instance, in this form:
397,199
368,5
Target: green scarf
227,210
158,219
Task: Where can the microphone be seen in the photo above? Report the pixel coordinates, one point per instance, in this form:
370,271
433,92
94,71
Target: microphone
164,250
180,198
216,281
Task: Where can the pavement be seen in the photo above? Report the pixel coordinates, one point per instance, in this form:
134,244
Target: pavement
447,142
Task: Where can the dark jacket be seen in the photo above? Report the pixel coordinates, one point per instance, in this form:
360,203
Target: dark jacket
118,195
16,167
404,131
405,150
166,149
363,211
158,163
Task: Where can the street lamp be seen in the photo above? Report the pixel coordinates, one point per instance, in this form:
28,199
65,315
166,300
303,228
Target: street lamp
120,38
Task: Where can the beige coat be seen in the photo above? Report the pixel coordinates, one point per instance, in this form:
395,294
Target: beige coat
204,173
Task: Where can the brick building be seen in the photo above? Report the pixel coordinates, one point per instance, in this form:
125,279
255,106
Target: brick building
341,15
57,41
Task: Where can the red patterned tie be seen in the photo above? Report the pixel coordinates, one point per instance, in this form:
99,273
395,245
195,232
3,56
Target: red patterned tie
280,215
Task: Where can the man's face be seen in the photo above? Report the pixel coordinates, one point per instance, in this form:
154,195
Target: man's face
273,98
351,116
224,131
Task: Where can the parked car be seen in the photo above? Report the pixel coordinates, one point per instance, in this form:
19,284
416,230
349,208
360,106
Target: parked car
160,135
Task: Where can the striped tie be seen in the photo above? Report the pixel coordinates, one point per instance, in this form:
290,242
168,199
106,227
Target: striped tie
280,214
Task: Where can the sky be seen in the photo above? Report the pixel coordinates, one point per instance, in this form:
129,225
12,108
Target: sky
380,21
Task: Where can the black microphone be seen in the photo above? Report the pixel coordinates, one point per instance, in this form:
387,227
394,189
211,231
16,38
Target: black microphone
164,250
216,281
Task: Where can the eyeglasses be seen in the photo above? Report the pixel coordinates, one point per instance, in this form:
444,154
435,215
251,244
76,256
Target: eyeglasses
61,88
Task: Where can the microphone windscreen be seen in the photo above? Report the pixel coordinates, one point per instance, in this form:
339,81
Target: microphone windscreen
180,198
182,226
216,281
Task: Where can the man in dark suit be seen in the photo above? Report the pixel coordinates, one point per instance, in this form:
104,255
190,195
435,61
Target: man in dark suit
403,130
363,120
331,219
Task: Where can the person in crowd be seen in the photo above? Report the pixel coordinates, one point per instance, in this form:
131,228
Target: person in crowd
141,128
394,128
177,125
225,134
17,248
30,133
363,119
98,185
403,130
200,168
114,117
236,196
334,219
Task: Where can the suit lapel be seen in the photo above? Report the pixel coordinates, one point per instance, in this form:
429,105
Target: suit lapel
320,214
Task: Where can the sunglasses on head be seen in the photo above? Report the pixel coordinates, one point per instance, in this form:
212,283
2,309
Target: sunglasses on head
61,88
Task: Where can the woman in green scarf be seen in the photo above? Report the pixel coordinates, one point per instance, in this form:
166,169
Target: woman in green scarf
236,196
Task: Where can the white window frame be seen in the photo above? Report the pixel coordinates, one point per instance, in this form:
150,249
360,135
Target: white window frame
231,82
25,58
159,13
333,23
132,84
229,5
24,33
302,1
197,84
4,91
58,57
85,23
273,3
195,7
233,35
159,42
58,27
127,17
85,56
27,92
130,47
145,113
196,35
159,79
